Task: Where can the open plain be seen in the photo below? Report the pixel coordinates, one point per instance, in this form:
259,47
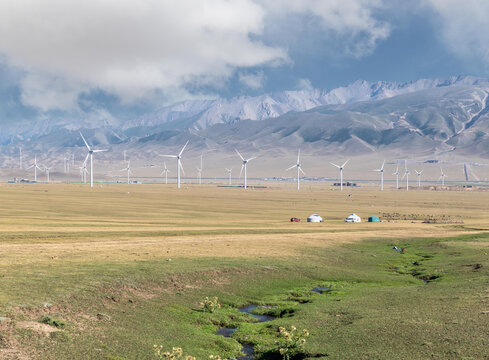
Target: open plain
107,273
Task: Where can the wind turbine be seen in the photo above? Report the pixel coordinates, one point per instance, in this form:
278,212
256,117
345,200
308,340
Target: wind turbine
381,170
299,169
341,172
83,173
229,171
397,176
406,175
199,169
90,155
179,163
165,171
128,169
243,166
46,169
36,167
442,177
419,177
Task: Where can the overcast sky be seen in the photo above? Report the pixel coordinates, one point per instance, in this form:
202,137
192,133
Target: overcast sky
114,56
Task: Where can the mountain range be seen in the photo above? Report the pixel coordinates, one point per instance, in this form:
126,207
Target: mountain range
426,118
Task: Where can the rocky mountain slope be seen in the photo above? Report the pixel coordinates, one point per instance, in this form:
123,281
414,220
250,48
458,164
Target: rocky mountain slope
426,118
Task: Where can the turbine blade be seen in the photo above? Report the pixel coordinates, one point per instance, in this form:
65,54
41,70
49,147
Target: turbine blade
290,168
184,146
86,159
237,152
299,156
172,156
335,165
382,168
181,167
254,157
241,171
345,163
88,147
302,171
96,151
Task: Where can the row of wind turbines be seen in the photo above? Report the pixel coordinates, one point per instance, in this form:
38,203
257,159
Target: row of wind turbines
91,151
298,165
178,157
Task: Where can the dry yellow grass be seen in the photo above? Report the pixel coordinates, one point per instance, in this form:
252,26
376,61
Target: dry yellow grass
57,239
48,223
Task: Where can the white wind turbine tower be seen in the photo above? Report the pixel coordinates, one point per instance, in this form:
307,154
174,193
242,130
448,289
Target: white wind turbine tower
165,171
406,175
199,169
418,173
397,176
129,172
243,166
83,173
442,177
299,170
341,172
67,160
36,167
46,169
90,155
229,171
381,170
179,163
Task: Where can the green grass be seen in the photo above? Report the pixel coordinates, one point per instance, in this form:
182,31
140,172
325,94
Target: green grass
104,269
372,310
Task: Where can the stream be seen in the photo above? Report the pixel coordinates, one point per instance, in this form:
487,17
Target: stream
248,349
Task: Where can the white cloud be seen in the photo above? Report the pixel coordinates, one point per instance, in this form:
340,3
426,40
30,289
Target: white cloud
462,26
139,48
128,47
252,80
304,84
353,20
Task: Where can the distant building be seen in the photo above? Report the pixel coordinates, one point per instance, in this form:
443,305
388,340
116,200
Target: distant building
345,184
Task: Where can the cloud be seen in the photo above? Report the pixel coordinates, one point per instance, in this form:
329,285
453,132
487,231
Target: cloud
129,48
144,49
354,21
252,80
304,84
462,26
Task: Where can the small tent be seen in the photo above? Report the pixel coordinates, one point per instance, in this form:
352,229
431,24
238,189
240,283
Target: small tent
373,219
353,218
314,218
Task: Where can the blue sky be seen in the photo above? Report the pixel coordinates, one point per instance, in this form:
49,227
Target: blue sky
108,58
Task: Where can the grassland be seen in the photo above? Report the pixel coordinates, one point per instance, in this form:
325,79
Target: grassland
125,267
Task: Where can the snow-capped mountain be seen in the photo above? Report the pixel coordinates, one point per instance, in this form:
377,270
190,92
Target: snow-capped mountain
427,116
202,114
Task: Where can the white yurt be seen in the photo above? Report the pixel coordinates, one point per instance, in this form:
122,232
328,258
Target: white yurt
353,218
314,218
